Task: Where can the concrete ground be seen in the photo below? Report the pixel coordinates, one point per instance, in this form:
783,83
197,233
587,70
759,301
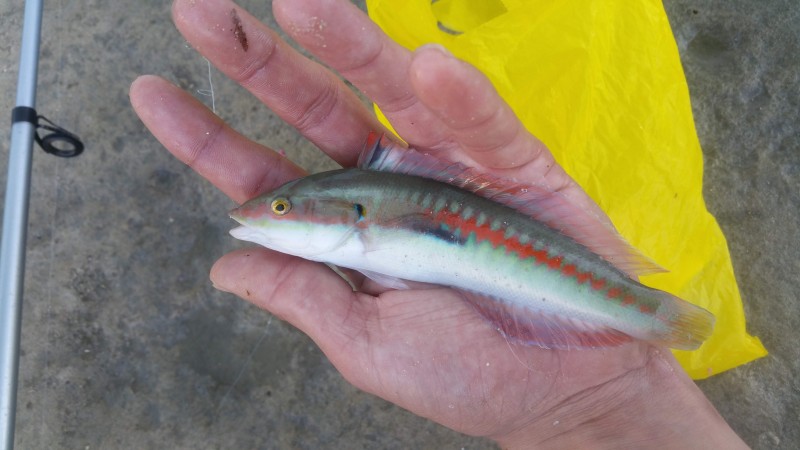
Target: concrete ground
126,345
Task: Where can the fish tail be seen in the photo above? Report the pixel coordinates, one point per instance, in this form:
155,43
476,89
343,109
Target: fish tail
687,325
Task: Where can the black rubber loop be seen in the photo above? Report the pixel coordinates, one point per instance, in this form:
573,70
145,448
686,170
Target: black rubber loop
59,142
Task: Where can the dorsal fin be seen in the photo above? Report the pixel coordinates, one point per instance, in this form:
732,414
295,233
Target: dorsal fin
552,208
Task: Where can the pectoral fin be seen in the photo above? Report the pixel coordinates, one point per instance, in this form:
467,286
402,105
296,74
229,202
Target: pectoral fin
386,280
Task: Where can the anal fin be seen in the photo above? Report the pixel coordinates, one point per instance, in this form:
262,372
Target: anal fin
546,330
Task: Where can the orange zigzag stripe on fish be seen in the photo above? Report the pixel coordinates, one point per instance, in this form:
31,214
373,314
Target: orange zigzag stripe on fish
541,270
468,225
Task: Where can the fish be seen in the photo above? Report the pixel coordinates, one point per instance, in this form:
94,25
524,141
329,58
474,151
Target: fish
540,269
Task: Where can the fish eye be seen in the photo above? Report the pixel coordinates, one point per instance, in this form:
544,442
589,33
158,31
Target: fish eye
280,206
360,210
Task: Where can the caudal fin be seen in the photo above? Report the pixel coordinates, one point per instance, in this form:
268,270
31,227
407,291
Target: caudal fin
688,325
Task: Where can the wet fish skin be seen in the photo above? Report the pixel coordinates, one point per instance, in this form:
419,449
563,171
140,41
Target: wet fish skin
535,284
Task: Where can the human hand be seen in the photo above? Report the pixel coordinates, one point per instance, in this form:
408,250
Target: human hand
425,350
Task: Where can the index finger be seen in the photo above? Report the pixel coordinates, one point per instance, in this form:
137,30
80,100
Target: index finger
239,167
302,92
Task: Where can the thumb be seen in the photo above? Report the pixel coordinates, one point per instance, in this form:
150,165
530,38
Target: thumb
307,294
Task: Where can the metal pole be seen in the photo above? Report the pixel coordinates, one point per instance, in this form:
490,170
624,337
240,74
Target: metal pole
15,223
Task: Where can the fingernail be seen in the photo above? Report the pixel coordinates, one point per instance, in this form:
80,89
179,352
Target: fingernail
219,286
435,47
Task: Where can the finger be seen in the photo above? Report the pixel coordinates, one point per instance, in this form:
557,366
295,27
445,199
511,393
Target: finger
239,167
344,38
484,127
367,338
477,118
303,93
429,109
307,294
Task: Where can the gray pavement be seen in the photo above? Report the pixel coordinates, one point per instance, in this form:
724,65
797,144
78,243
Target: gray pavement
126,345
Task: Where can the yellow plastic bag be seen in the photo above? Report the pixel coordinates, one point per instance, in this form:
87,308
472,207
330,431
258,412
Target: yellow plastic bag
600,82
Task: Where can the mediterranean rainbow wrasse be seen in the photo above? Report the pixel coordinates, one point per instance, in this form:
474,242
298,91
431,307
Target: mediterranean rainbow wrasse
542,270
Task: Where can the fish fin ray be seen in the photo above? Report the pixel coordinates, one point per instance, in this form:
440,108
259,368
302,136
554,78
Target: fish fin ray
546,330
386,281
391,282
539,202
688,325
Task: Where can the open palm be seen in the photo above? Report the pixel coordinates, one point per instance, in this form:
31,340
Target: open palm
425,350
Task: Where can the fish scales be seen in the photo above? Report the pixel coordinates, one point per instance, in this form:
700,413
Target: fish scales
535,284
525,248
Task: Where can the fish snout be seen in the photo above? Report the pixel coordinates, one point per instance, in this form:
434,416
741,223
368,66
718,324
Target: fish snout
252,210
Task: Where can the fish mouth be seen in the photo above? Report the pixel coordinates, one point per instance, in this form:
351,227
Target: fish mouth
243,232
235,215
249,234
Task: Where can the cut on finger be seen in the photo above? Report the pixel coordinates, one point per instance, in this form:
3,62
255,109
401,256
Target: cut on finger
300,91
